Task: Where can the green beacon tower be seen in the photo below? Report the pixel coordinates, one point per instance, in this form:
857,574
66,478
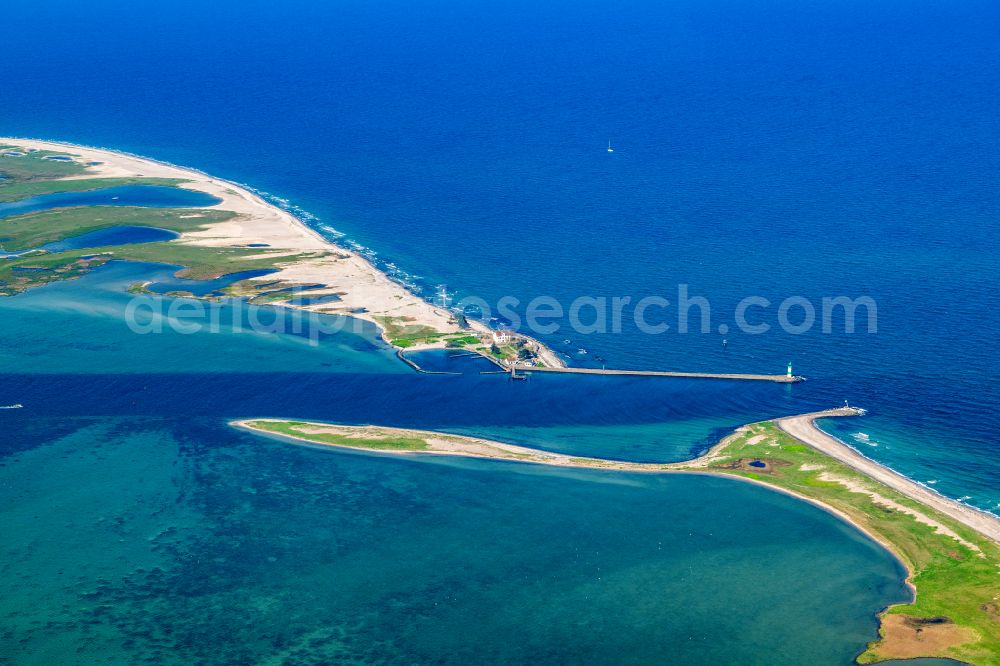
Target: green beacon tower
789,375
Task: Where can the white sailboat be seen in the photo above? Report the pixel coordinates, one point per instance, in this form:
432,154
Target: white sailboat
610,149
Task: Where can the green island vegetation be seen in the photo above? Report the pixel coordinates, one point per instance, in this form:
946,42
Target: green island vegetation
388,441
501,351
13,191
23,232
32,173
258,292
955,612
17,275
20,166
26,174
196,262
402,334
463,341
399,332
201,262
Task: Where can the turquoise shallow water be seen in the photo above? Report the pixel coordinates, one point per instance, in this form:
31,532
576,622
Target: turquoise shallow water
81,327
139,528
158,540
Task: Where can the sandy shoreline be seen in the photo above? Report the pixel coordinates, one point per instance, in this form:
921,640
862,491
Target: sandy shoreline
901,635
364,291
804,429
361,285
950,574
801,427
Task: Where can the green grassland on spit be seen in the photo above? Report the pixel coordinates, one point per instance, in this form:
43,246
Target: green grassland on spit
31,174
34,173
14,191
952,580
956,582
22,232
386,443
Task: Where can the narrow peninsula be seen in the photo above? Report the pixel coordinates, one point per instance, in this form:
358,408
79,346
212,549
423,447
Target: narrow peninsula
242,232
951,551
293,265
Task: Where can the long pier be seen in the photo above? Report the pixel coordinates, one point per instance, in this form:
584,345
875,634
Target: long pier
410,362
781,379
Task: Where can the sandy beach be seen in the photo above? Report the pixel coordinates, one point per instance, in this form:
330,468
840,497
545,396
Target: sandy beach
950,571
803,428
442,444
364,291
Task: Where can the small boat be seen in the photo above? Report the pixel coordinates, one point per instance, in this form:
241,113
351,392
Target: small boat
581,351
11,406
115,198
567,342
610,149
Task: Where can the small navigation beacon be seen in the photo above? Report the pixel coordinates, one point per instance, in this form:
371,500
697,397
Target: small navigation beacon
789,375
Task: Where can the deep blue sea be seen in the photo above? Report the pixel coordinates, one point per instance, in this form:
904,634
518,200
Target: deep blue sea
774,149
